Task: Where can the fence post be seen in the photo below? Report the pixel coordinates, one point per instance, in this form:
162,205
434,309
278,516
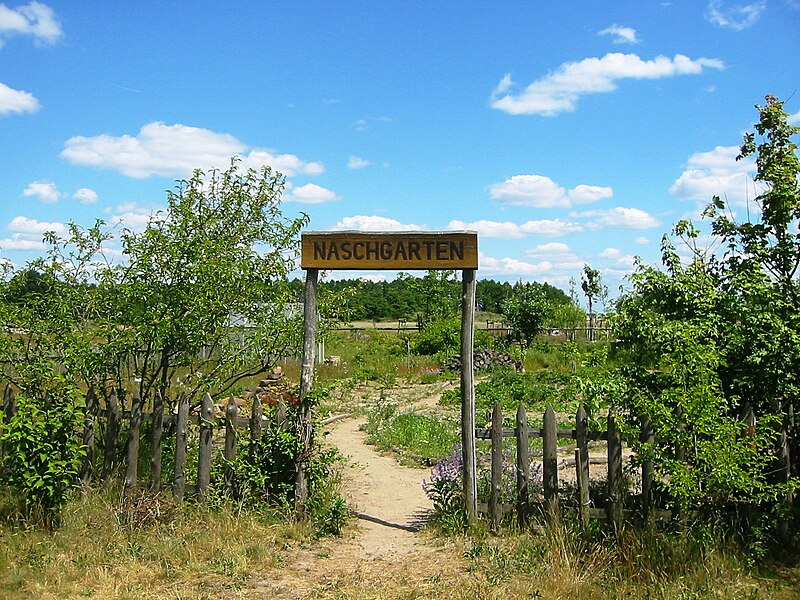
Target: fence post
256,418
231,414
646,436
582,463
9,409
550,462
495,493
181,439
157,437
204,451
112,430
132,468
306,382
614,507
523,465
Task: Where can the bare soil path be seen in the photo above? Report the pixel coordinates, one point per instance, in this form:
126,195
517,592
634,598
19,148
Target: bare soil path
385,550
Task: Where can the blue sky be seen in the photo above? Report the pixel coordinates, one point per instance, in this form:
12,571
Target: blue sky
565,132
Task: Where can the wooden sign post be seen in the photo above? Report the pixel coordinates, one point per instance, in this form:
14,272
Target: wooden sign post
412,250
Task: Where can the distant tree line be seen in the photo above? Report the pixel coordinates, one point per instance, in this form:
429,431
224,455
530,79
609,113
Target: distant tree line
414,298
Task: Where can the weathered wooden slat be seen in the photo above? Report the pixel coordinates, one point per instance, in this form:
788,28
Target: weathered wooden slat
523,466
132,466
112,431
495,493
156,438
582,463
204,449
614,474
550,462
89,414
256,419
646,436
181,432
231,411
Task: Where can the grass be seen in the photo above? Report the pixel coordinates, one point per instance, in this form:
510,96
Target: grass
106,548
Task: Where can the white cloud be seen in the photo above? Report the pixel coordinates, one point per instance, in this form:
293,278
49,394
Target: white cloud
496,229
737,16
558,253
16,101
538,191
85,196
794,119
560,91
373,223
622,35
354,162
46,191
175,151
21,242
618,257
26,226
619,218
716,173
34,19
642,241
512,267
311,193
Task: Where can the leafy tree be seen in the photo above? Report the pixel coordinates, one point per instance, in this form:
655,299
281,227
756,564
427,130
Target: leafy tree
440,294
593,289
527,309
708,339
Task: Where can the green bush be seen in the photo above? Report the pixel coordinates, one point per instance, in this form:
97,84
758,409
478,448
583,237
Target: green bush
444,338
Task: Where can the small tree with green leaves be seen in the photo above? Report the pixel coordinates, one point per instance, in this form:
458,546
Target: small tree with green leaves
527,310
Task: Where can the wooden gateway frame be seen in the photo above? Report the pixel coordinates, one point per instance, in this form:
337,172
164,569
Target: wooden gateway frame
412,250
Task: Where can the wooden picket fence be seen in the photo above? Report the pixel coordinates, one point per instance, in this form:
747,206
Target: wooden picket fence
113,415
550,434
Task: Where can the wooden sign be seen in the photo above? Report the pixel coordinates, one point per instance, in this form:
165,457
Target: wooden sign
393,250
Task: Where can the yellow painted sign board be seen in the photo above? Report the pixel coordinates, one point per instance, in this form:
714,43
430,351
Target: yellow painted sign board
392,250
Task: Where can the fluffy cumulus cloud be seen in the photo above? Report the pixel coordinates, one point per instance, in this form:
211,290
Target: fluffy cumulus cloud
506,229
560,90
716,173
129,216
557,253
736,16
373,223
174,151
512,266
622,35
26,234
619,218
46,191
85,196
34,19
16,101
616,255
311,193
538,191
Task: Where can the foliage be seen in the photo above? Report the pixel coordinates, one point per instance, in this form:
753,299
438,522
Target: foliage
445,490
440,294
708,340
527,309
41,452
444,338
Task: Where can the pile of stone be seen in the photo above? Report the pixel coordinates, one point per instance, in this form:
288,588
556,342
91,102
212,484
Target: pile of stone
483,360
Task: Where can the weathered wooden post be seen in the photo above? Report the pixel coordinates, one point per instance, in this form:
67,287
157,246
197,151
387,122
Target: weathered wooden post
204,450
582,463
646,436
132,466
523,466
112,430
89,413
614,508
181,439
157,436
550,462
470,482
306,381
231,414
256,420
496,491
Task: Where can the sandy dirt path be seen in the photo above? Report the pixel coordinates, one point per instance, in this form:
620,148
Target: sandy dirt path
384,549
